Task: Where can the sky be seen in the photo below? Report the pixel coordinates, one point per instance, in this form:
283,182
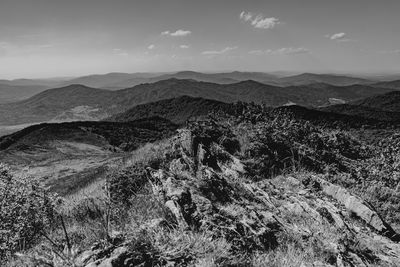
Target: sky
57,38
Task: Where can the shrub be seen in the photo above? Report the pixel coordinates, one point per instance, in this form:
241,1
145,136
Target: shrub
125,183
209,131
26,210
272,146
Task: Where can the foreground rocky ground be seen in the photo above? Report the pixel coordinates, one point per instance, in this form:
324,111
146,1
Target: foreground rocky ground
205,190
249,189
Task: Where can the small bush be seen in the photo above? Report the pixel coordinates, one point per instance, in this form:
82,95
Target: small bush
125,183
26,210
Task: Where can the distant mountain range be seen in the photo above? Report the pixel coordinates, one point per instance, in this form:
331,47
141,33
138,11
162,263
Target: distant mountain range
21,89
119,80
310,78
123,80
113,81
100,103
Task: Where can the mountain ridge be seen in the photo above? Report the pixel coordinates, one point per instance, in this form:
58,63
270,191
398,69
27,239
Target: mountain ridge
51,103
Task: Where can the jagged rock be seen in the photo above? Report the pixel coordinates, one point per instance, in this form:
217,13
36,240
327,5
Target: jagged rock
174,189
356,206
333,211
176,210
205,158
229,165
253,215
185,141
204,205
180,165
213,186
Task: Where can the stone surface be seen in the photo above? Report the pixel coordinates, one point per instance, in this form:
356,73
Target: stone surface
215,196
355,205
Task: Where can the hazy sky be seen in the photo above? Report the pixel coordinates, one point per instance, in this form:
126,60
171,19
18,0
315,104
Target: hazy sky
44,38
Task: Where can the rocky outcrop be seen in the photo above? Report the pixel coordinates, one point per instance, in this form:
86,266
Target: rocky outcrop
359,208
206,189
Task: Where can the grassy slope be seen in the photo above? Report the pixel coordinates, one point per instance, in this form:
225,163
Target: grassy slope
69,155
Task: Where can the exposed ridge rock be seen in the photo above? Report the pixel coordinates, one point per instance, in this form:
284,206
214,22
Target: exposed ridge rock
205,189
360,208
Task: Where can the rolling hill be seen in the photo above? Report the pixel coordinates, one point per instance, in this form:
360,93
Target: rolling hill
180,109
66,156
177,110
384,107
246,91
395,85
113,80
13,93
310,78
47,105
101,133
320,94
326,117
58,103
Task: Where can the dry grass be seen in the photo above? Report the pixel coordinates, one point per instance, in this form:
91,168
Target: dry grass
289,255
149,152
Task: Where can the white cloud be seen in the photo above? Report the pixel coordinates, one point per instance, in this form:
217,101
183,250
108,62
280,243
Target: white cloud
281,51
339,37
184,46
177,33
151,47
219,52
246,16
181,33
259,21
